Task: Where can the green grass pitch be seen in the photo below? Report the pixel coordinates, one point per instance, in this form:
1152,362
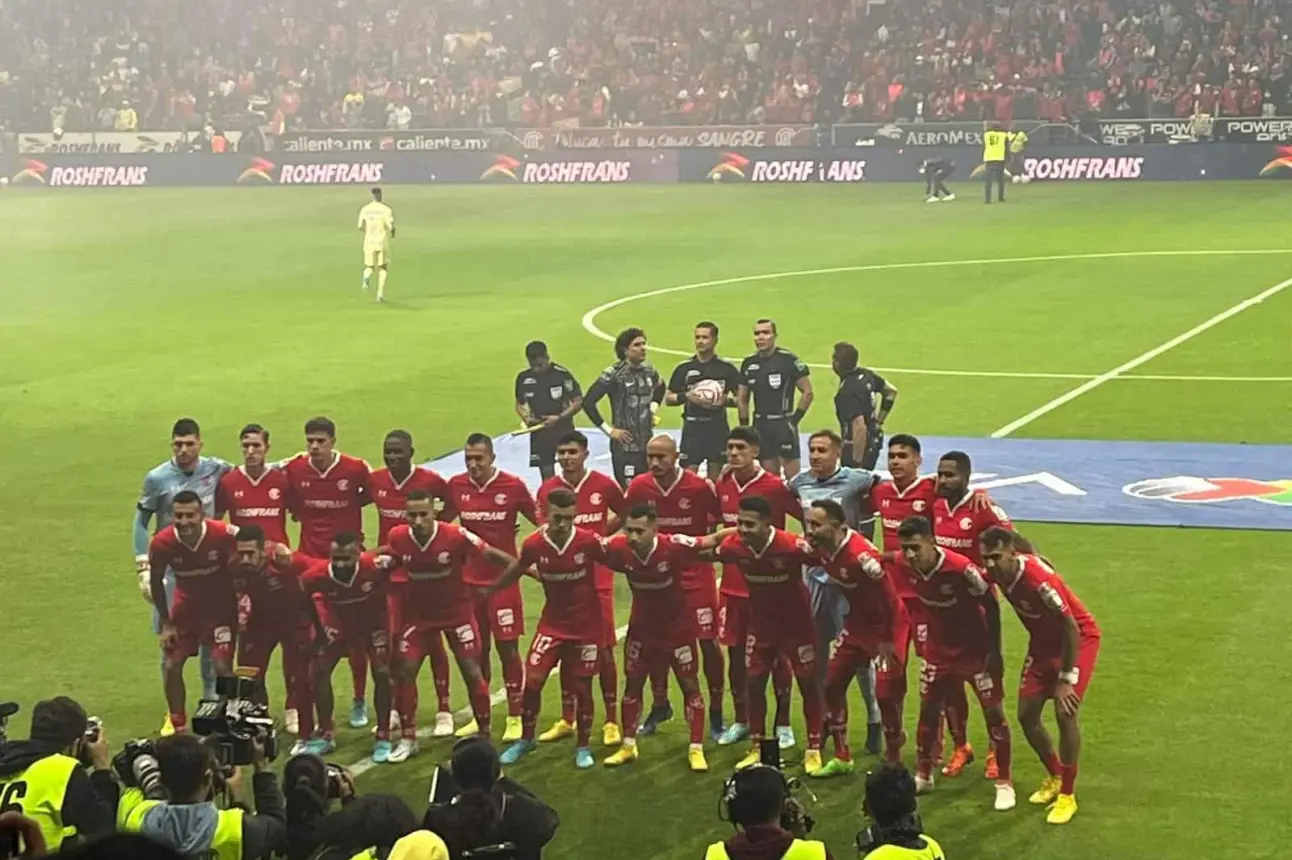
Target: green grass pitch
120,311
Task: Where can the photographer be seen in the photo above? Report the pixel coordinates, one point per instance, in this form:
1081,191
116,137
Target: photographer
310,785
366,829
44,777
771,823
191,823
897,832
473,806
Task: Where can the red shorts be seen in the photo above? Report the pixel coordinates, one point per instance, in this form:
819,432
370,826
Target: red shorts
642,657
1041,674
733,620
936,682
761,654
918,615
346,634
581,659
201,620
702,603
852,652
501,615
258,638
608,637
415,641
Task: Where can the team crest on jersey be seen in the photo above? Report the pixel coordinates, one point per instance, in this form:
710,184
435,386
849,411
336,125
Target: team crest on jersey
966,523
343,485
662,567
367,586
778,564
917,506
684,504
774,380
595,498
578,558
500,499
274,493
947,589
213,555
443,558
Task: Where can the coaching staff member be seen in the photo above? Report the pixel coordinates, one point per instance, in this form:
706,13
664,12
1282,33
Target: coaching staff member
861,417
995,142
704,427
546,394
636,390
44,778
771,376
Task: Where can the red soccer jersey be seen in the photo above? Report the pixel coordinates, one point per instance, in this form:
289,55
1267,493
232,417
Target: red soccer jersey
659,613
275,589
259,501
731,492
1041,599
894,505
428,581
327,502
779,605
357,601
598,496
957,528
952,596
390,495
202,569
688,507
490,511
872,598
572,609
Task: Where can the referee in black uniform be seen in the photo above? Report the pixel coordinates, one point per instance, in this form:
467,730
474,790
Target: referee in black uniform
546,394
636,390
862,404
704,427
771,376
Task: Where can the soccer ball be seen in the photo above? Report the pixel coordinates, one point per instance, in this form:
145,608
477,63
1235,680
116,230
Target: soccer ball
710,392
4,180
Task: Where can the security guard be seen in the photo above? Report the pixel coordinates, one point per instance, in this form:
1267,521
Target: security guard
190,823
547,395
897,832
756,802
861,418
995,142
1017,143
44,778
772,376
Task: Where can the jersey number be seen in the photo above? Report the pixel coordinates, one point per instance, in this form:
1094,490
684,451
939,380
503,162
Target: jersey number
11,796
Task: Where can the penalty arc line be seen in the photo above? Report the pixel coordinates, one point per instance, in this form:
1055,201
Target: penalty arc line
496,698
1090,385
589,321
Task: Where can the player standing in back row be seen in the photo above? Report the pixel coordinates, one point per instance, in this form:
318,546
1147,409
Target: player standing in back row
771,376
635,389
377,222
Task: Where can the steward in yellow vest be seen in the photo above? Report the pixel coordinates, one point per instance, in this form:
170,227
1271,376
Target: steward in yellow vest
45,779
191,823
771,824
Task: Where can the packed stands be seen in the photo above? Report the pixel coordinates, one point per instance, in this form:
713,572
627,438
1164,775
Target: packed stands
294,64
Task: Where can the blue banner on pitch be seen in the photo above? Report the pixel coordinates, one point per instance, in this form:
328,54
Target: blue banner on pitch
1183,484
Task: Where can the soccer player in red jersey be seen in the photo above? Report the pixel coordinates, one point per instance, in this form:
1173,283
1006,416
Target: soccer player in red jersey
958,521
257,494
329,490
743,479
600,505
660,630
488,502
875,630
685,504
570,630
273,611
348,590
1063,646
389,488
428,601
204,609
254,493
963,647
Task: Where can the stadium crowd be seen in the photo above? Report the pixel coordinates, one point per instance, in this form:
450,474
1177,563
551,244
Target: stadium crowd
290,65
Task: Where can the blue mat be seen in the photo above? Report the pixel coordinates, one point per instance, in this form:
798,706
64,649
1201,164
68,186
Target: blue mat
1181,484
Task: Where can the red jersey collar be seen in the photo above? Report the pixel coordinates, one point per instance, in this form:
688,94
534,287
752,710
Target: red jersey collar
435,529
559,549
201,536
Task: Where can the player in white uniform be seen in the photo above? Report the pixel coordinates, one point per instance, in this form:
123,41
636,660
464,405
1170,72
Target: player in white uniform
377,222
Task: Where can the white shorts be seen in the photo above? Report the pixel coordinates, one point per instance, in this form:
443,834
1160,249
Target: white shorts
374,257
